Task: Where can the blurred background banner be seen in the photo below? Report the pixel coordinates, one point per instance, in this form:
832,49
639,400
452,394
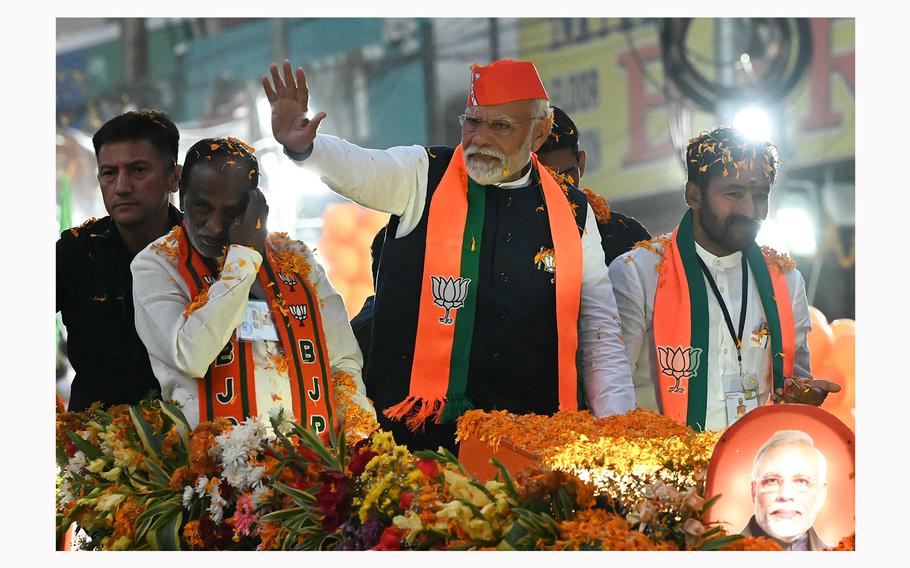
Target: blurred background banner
637,88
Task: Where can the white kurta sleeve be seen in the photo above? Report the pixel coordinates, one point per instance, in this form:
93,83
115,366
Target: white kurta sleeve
344,351
630,303
801,322
190,344
605,369
393,181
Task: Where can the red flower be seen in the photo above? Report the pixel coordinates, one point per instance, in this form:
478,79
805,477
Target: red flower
360,461
404,500
390,539
430,468
70,448
334,499
215,537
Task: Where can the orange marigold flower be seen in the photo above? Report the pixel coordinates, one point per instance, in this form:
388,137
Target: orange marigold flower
781,261
171,439
181,477
846,543
192,536
751,543
606,530
598,205
197,302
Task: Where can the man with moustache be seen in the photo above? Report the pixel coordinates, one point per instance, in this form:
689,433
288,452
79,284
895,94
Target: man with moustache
708,317
137,174
240,322
789,488
492,278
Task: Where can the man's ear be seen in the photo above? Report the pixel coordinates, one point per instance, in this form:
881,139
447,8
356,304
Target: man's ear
693,195
175,181
541,132
581,163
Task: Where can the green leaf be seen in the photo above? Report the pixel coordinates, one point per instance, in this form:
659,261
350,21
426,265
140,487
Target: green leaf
165,535
146,434
174,413
84,446
483,489
720,542
161,477
506,478
302,497
314,443
710,502
284,514
474,509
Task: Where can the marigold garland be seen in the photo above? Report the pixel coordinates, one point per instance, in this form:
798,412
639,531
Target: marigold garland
605,531
783,262
357,421
599,205
618,454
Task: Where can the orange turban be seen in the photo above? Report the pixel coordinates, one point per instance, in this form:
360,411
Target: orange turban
505,81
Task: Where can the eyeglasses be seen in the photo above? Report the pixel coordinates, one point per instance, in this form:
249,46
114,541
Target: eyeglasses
774,483
498,126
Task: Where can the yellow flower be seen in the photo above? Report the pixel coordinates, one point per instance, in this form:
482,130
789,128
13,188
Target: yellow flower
111,475
410,523
97,466
109,501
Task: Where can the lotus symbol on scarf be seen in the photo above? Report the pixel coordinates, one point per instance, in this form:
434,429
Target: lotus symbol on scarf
289,280
449,293
679,363
298,311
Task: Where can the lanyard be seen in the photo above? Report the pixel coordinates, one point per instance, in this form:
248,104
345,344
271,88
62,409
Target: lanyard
737,337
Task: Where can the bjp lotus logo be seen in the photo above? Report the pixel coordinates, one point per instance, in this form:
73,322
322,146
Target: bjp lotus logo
449,294
679,363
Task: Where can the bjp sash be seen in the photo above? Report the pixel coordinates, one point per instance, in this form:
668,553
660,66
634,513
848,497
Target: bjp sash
439,374
681,331
229,388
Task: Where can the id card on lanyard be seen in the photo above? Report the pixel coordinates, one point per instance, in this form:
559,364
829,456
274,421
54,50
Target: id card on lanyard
740,392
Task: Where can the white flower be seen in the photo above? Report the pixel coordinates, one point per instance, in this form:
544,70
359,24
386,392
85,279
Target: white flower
216,507
188,496
200,485
259,492
77,463
66,495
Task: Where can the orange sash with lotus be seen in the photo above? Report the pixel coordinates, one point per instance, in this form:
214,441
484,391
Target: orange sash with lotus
681,330
439,373
228,388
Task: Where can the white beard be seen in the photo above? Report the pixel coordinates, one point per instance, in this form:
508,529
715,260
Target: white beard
489,173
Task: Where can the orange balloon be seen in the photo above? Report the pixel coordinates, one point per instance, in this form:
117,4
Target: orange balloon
843,327
339,220
820,339
844,398
843,353
345,264
816,317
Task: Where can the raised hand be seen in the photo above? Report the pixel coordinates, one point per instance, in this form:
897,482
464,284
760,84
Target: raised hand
289,98
250,230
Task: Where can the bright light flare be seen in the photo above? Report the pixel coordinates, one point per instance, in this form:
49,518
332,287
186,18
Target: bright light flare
754,123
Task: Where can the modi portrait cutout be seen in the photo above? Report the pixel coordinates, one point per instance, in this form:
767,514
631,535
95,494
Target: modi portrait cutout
785,472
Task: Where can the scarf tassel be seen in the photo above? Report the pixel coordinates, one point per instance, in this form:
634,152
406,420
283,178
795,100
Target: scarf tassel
455,407
415,417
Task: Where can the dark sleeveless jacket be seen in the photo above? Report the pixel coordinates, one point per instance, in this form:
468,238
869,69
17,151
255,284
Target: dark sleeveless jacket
513,363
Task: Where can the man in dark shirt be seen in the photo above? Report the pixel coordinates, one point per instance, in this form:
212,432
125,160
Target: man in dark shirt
137,172
560,152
